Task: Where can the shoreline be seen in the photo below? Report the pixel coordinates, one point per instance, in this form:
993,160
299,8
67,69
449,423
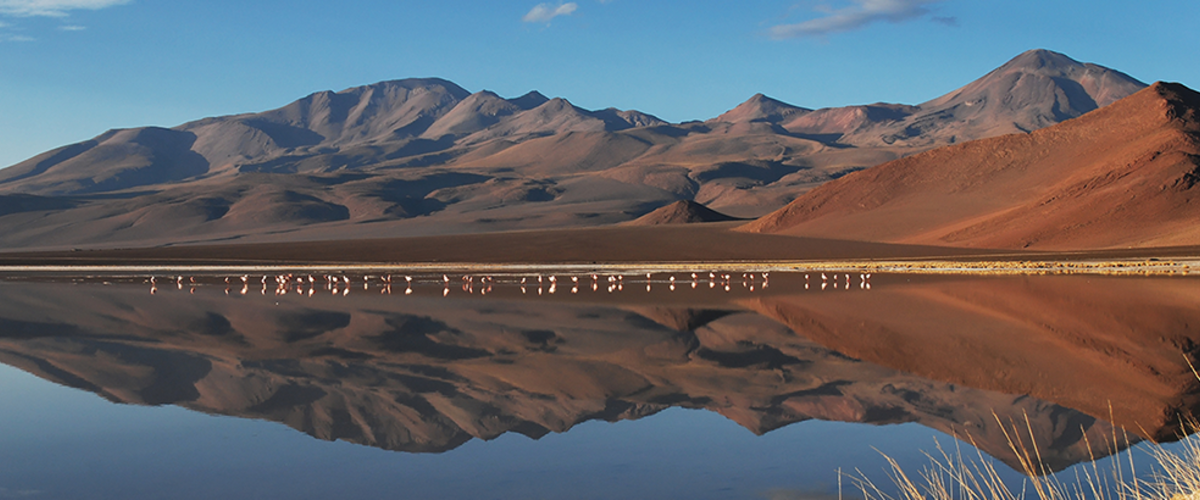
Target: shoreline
1150,266
671,248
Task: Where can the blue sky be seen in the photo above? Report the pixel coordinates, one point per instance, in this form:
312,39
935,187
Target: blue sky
71,69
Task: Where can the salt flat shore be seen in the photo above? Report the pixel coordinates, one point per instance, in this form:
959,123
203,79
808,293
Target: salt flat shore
1150,266
682,248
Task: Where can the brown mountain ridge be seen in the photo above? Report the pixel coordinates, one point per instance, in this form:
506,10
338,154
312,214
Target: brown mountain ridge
425,156
681,212
1123,176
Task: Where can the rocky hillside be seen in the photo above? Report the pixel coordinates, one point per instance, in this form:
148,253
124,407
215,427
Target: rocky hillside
1123,176
425,156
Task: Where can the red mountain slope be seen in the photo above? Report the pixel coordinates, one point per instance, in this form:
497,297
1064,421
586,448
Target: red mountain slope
1122,176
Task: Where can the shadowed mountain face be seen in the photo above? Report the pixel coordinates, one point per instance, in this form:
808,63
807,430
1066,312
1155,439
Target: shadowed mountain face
1121,177
424,156
424,373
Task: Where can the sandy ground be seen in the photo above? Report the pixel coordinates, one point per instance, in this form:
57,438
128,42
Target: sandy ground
679,247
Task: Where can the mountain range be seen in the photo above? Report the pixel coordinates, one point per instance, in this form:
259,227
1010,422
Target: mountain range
1121,177
425,156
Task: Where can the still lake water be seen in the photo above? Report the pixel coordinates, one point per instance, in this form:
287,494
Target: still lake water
634,389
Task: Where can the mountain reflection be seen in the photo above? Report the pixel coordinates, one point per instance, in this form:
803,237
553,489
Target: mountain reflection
425,363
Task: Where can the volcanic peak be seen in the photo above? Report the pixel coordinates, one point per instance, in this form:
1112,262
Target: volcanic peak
761,108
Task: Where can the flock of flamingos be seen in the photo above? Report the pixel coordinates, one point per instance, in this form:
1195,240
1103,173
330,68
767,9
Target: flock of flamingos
341,284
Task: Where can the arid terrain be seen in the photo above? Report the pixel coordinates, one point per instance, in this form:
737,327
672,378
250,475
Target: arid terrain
1044,159
423,157
1123,176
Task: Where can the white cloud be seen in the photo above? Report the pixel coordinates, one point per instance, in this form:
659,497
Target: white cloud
946,20
15,38
544,12
858,15
72,27
52,8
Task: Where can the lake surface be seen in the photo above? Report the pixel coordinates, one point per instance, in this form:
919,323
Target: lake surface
735,386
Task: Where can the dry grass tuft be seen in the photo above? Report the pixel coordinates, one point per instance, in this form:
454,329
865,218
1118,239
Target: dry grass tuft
953,476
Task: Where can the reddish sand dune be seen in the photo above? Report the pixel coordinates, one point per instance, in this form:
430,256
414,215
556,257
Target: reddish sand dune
1122,176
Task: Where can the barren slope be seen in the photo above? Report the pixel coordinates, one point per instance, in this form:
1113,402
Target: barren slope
424,156
1123,176
680,212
